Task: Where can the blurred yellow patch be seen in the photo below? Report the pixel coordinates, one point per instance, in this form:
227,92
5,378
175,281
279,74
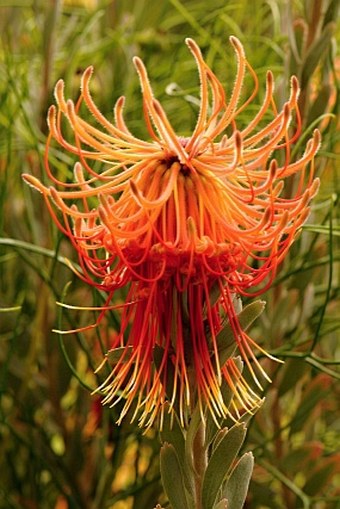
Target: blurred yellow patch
88,4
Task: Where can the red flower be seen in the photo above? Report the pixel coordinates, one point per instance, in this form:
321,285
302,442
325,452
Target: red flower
177,219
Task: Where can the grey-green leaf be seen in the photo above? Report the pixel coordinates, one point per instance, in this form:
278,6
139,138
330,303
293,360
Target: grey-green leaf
220,463
332,12
214,294
227,395
120,354
237,485
190,435
222,504
158,356
315,52
225,338
173,478
172,433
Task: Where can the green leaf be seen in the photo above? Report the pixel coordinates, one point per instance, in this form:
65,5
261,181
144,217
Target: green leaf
223,504
294,369
237,485
172,477
122,353
332,12
158,355
320,104
315,52
220,463
190,435
226,390
295,460
62,346
316,393
172,433
319,480
225,339
219,436
214,293
227,395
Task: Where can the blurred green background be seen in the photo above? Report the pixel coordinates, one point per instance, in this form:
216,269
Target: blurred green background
58,448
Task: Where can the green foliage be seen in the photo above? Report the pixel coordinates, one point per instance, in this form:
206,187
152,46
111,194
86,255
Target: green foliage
58,447
173,478
220,463
237,485
199,468
225,338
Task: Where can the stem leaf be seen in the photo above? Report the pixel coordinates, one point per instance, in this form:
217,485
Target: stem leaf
172,477
220,463
315,53
120,354
225,339
172,434
223,504
227,395
236,488
190,436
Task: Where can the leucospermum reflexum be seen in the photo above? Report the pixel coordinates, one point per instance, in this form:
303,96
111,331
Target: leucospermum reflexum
178,219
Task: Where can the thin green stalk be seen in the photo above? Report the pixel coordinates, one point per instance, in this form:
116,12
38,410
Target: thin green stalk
287,482
21,244
62,344
200,461
330,278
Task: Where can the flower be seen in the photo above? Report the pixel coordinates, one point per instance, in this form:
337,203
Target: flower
187,224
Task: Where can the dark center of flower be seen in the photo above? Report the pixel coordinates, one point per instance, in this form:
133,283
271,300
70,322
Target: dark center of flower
171,159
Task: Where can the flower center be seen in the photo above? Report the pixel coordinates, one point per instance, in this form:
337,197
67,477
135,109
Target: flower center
183,140
171,159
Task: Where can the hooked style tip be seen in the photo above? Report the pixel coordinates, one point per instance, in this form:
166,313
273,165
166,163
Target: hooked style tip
295,84
270,80
78,173
51,116
87,74
59,93
88,71
193,46
237,44
35,183
138,63
314,187
70,108
317,139
273,168
120,102
238,141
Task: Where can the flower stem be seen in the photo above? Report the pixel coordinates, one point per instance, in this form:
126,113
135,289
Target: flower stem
200,459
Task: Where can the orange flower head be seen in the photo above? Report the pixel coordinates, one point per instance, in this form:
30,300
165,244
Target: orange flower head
179,219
